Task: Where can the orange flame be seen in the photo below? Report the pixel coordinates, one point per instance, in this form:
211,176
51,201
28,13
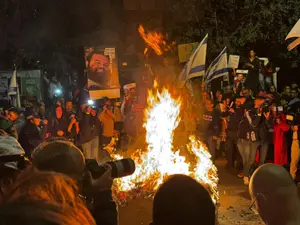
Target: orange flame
159,160
155,40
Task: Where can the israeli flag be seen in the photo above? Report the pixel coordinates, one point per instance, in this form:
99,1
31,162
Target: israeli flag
195,66
293,38
13,90
217,68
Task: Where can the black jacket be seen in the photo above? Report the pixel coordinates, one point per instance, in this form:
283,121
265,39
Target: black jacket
86,123
234,121
209,124
31,136
249,126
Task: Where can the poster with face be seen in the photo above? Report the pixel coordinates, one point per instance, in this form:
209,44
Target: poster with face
102,69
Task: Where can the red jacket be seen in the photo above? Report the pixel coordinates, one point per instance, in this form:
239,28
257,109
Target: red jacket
280,146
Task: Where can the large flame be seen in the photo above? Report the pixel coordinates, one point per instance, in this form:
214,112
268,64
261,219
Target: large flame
155,40
159,160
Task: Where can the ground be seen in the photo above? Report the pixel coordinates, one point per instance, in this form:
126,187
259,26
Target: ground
233,209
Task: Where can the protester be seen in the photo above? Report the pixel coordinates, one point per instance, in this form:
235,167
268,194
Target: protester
15,117
280,145
196,206
32,135
69,108
252,64
295,151
294,103
235,115
42,110
107,121
85,137
286,92
95,130
248,140
58,126
263,106
273,91
275,195
208,127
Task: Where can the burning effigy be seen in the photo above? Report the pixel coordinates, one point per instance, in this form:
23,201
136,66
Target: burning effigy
160,160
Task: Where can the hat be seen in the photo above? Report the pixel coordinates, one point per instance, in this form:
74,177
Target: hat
9,146
5,124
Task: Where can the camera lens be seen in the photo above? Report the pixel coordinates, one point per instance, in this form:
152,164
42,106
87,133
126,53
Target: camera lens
122,168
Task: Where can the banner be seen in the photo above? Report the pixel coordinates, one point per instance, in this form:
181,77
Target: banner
186,50
102,71
233,61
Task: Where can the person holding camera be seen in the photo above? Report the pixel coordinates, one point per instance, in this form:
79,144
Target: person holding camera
64,157
235,114
58,124
85,137
248,139
107,119
263,106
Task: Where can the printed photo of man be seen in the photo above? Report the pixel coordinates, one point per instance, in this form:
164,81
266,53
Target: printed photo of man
99,70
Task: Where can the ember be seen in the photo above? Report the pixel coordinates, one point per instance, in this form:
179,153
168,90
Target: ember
159,160
155,40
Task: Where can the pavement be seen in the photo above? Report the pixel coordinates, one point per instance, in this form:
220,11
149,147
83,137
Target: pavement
233,208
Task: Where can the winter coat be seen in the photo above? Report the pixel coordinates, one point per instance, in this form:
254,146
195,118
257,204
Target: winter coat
280,145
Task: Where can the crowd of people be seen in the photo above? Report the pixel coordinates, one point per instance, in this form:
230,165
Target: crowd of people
43,151
251,124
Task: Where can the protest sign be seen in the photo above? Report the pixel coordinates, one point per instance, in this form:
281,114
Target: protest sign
234,61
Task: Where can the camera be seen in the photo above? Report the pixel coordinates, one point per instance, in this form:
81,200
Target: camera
120,168
266,107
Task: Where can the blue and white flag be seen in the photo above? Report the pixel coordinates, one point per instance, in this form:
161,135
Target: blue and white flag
195,66
218,67
13,90
293,38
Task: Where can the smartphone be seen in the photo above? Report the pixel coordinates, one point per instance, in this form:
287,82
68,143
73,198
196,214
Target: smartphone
280,108
289,117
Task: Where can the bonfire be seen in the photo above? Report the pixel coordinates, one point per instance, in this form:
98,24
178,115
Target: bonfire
159,160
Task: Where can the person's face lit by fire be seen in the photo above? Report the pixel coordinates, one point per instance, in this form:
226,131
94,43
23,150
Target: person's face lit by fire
246,93
59,112
219,96
294,94
240,77
209,105
252,54
69,106
287,90
272,89
132,92
99,63
204,96
12,116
